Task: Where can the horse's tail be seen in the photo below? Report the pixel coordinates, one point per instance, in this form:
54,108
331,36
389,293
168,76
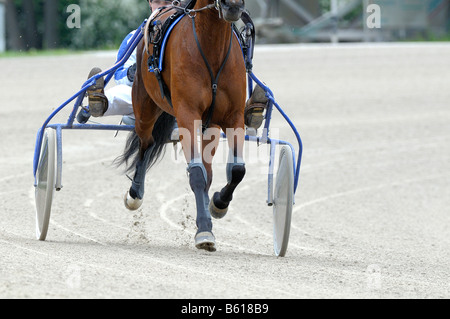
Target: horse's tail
161,135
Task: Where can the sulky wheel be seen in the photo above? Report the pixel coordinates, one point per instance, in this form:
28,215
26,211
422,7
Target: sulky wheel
283,200
45,179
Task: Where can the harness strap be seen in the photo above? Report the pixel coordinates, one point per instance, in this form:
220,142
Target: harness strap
214,80
153,60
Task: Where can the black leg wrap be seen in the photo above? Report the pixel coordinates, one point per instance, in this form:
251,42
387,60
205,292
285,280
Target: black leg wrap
222,200
133,193
138,185
218,202
237,174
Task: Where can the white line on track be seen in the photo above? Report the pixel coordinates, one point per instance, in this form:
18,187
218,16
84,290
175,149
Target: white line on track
52,222
362,190
163,213
164,209
107,222
341,154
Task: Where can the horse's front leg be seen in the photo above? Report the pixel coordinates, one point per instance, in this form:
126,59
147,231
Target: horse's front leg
235,173
199,180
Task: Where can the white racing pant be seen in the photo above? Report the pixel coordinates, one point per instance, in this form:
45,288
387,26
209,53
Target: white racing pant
119,101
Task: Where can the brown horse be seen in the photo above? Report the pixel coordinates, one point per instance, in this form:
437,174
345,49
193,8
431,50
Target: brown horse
201,46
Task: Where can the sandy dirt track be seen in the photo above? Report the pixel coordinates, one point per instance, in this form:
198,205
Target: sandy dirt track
371,220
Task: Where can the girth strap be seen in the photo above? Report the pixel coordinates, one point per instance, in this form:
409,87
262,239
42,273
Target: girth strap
214,80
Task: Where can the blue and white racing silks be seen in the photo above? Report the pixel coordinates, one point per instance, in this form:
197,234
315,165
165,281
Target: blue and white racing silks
120,76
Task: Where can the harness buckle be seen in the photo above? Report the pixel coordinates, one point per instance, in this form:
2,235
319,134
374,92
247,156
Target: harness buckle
191,13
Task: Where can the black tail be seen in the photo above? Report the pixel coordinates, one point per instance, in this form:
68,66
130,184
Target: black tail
161,135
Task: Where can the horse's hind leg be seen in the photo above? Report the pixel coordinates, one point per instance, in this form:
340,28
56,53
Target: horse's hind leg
135,196
235,174
146,113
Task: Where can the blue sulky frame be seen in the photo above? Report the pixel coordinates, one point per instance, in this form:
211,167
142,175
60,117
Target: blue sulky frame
108,74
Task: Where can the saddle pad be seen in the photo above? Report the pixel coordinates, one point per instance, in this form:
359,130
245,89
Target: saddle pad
164,43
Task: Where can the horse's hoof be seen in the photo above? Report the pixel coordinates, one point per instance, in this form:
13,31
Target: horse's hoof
131,203
206,241
217,213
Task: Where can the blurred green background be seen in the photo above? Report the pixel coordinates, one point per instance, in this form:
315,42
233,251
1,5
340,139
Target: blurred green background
33,25
42,24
